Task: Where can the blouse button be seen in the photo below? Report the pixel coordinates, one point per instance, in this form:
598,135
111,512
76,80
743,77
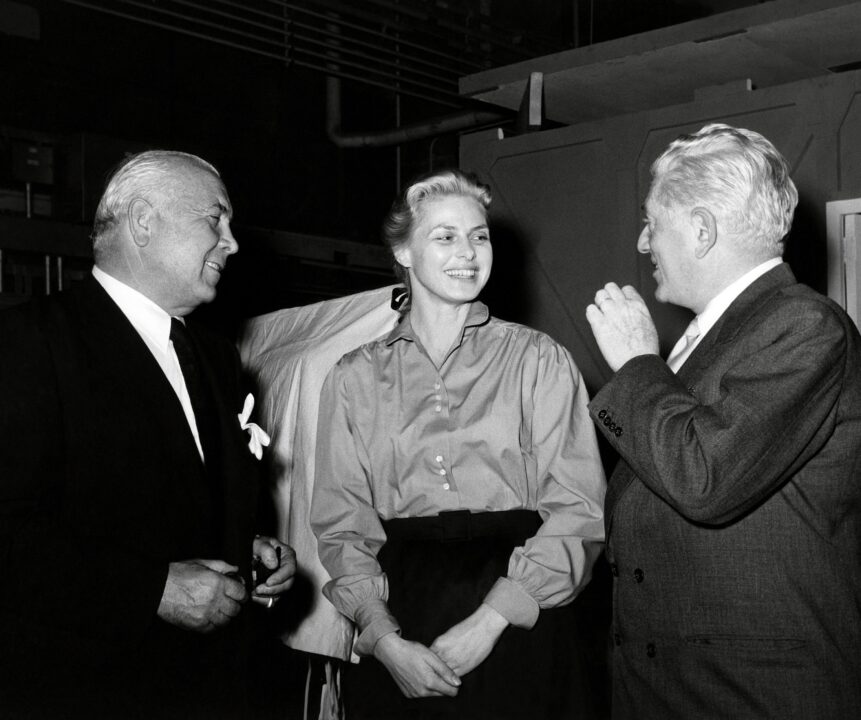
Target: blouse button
442,471
439,458
445,486
436,386
438,408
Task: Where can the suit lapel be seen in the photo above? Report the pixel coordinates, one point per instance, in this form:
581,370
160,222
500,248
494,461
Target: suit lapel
113,335
228,462
712,345
728,325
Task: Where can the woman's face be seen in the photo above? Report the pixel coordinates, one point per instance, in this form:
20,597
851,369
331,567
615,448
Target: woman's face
449,255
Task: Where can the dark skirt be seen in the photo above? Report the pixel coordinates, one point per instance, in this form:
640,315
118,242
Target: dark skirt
439,570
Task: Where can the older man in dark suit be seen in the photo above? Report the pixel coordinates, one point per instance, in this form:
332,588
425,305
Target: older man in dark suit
734,515
127,479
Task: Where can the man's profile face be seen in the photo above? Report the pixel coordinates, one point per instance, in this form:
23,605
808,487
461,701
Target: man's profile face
668,239
192,239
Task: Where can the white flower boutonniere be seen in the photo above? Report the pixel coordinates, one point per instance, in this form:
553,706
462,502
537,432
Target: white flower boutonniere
259,438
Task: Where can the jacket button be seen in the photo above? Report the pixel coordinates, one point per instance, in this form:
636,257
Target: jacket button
614,569
612,427
617,639
602,414
618,432
639,575
607,421
650,650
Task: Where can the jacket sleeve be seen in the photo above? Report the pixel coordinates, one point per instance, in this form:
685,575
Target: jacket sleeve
717,450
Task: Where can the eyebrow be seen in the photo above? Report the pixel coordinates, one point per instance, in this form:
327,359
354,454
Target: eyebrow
222,208
446,226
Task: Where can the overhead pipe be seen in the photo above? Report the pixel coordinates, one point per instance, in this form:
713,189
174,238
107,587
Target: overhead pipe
397,136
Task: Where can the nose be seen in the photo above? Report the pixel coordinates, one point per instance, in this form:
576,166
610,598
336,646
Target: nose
227,241
643,241
465,249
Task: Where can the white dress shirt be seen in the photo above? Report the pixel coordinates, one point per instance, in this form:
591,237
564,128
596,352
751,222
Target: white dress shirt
717,306
153,325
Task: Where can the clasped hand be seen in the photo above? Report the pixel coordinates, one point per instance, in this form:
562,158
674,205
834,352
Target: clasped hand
430,672
622,325
202,594
416,670
466,645
281,560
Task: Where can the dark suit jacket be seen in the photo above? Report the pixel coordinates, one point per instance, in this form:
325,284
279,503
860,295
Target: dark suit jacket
101,487
734,516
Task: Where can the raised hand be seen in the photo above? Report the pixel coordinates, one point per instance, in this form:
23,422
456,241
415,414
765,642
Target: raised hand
622,325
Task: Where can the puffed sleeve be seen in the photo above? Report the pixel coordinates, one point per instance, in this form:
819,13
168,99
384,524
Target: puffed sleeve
555,564
348,529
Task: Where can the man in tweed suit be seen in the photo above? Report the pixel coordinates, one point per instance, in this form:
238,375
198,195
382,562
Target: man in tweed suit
734,515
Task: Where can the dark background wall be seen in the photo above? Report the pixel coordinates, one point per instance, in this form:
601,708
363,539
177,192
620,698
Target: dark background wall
569,200
87,85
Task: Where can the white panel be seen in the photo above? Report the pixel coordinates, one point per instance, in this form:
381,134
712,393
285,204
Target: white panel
843,218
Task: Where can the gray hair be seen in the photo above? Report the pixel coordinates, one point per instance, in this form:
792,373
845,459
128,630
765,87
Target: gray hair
401,220
737,171
138,175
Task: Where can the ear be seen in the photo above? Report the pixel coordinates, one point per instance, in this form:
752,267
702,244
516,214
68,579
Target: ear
403,256
140,218
705,227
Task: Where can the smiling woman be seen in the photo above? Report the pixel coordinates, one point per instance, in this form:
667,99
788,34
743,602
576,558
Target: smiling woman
458,489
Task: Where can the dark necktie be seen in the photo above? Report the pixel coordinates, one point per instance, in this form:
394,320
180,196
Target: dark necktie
198,392
206,419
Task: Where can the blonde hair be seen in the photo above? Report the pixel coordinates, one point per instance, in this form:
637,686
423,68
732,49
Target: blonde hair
400,222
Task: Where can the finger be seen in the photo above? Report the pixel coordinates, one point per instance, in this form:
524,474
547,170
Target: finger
594,316
276,583
629,292
445,688
288,557
268,554
220,566
271,591
234,589
230,608
614,292
442,670
219,619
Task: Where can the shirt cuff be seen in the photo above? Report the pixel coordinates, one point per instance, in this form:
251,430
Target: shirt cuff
374,621
511,601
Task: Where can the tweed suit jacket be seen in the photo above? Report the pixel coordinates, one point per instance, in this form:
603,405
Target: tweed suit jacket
734,516
101,487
